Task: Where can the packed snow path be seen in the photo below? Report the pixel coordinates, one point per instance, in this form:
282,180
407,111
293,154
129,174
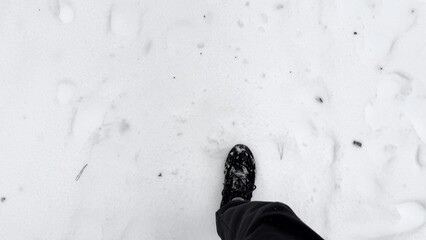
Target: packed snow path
116,116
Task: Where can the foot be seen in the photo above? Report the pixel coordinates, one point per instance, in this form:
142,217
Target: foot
240,171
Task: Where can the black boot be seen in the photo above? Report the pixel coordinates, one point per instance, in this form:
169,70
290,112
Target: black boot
240,171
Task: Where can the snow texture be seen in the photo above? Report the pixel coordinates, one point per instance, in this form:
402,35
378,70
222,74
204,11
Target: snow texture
116,116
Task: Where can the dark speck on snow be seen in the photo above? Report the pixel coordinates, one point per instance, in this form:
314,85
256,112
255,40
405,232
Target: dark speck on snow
358,144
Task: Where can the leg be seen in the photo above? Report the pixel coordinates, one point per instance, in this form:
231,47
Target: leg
245,220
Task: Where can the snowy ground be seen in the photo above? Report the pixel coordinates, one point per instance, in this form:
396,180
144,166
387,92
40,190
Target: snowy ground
151,95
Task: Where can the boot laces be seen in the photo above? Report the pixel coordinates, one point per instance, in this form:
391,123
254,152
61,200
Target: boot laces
240,184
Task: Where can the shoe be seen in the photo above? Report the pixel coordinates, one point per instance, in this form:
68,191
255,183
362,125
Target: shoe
240,171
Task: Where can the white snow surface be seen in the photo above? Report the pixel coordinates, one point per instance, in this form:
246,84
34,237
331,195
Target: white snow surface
152,95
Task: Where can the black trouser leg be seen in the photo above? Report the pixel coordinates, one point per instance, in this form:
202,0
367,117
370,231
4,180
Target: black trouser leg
244,220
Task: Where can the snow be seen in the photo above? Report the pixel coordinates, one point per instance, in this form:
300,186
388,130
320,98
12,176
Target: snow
66,13
116,116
